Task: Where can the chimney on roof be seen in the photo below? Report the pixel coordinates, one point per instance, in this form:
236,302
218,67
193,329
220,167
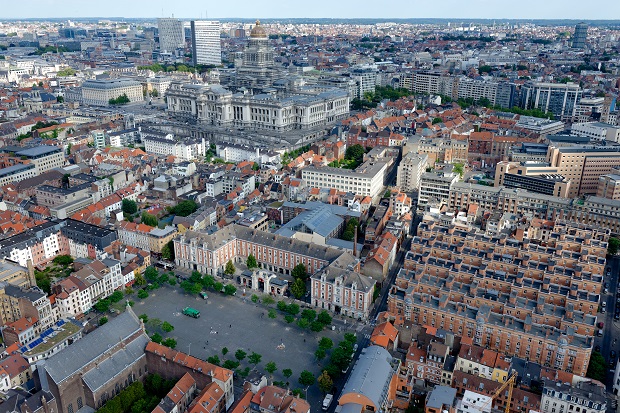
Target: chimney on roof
32,281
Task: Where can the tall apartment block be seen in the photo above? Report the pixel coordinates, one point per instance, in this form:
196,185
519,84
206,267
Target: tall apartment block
206,45
518,298
580,36
171,34
410,171
561,99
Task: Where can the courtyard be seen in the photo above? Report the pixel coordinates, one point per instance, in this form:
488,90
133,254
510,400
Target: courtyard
237,323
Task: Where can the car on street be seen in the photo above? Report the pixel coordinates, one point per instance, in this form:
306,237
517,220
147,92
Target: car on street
597,348
605,285
606,291
612,354
600,324
617,316
604,304
603,310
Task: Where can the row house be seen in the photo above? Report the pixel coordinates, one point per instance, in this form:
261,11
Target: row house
76,294
19,302
432,365
483,362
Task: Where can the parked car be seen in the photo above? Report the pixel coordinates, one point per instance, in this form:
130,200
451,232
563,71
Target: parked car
612,354
597,348
600,324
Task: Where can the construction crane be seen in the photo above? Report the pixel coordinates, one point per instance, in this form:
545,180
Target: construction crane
507,384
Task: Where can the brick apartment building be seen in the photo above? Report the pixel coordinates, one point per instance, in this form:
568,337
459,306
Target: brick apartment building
516,297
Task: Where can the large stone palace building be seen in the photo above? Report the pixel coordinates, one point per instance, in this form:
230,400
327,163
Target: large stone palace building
538,302
259,96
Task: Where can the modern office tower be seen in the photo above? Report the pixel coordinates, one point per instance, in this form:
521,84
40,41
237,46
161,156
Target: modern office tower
171,34
580,36
206,46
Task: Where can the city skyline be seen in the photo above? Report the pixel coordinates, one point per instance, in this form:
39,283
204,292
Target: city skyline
243,9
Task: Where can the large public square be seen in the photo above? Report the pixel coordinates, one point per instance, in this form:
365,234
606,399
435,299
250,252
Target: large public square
236,323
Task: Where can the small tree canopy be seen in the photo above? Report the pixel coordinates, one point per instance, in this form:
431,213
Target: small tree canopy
325,382
230,268
613,246
306,378
251,262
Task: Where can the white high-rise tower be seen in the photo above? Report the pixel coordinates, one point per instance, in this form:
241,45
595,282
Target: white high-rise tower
206,44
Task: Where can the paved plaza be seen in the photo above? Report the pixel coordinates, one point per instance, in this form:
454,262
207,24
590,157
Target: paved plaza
237,324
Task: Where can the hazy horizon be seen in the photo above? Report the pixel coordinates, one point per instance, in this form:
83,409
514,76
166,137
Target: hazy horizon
342,9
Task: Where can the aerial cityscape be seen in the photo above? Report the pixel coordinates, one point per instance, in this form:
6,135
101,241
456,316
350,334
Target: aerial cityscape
270,207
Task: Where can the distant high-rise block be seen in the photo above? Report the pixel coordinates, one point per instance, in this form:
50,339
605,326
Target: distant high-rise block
580,36
171,34
206,45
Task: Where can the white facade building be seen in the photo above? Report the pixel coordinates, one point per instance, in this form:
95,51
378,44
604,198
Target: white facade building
99,92
602,132
239,153
186,150
206,44
77,293
435,186
473,402
366,180
16,173
410,169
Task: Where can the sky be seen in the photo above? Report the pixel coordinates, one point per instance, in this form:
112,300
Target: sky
487,9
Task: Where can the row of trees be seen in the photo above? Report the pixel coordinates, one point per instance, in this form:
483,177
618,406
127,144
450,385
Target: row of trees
197,282
121,100
158,328
309,318
353,157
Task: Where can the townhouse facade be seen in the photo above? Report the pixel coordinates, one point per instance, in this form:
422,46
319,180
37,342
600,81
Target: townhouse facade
76,294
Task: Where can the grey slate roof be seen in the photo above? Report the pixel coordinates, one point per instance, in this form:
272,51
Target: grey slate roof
230,232
440,396
371,375
117,362
71,359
